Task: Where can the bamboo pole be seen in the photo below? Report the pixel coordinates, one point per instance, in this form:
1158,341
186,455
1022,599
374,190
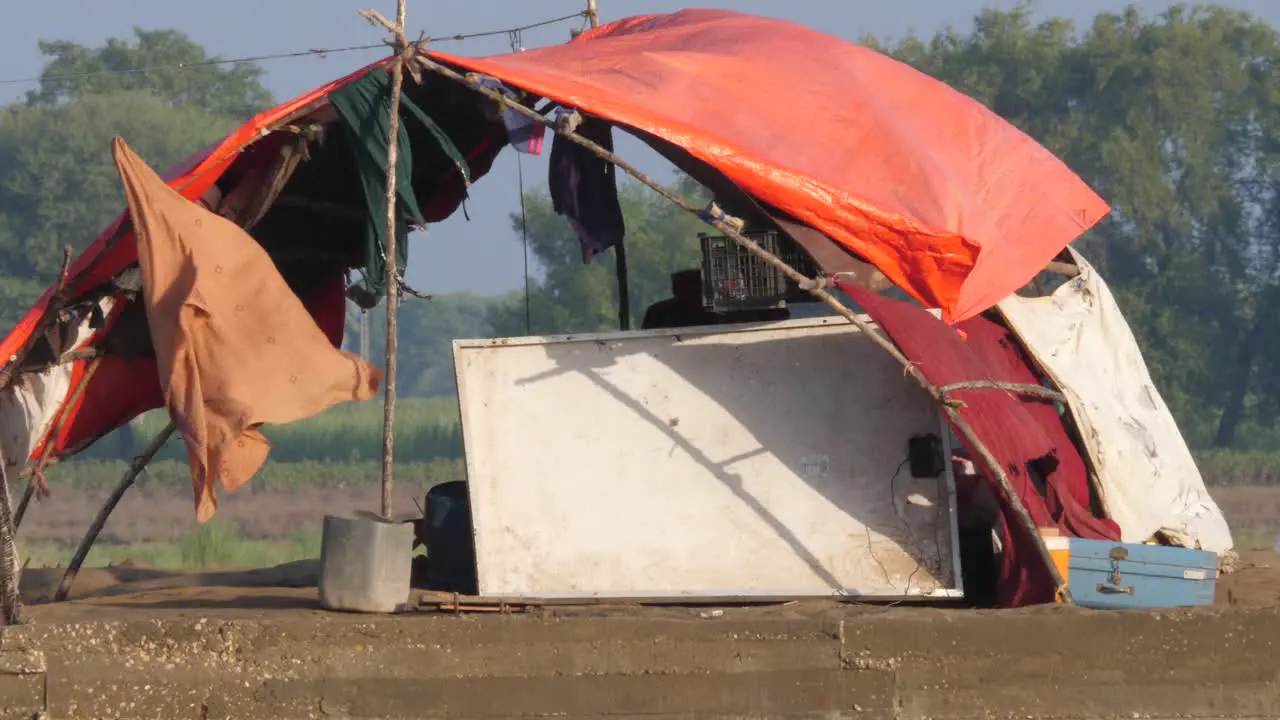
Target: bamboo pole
731,227
91,536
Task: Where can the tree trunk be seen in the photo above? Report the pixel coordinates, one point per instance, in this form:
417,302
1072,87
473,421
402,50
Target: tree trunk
1238,389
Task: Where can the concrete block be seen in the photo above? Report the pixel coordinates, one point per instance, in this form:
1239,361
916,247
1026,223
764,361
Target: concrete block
365,563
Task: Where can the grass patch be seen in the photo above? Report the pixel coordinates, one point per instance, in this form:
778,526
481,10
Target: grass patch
1253,537
216,544
426,429
275,475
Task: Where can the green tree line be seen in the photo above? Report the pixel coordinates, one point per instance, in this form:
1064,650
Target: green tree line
426,429
1174,118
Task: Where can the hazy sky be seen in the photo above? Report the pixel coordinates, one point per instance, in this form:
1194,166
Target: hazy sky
482,255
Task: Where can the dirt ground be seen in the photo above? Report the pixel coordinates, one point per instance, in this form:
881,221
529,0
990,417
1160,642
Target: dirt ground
1255,584
136,642
146,643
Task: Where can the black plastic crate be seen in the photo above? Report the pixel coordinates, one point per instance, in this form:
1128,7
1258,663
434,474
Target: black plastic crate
734,279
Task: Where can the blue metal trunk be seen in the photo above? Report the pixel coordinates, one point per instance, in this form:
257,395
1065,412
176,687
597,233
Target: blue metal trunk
1126,575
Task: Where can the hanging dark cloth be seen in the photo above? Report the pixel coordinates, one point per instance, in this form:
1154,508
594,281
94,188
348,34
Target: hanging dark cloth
584,189
363,107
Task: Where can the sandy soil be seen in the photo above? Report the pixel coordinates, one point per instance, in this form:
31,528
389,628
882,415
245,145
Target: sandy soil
136,642
1255,584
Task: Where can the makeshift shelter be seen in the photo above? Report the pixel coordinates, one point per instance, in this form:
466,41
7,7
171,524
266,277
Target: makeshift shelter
851,162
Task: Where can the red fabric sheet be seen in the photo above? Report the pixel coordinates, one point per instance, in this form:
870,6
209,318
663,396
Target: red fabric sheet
997,349
1014,434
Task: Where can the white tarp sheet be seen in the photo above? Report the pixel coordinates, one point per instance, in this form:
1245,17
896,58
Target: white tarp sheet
1147,479
28,407
711,462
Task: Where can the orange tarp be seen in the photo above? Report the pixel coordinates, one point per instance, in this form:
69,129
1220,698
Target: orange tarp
948,200
234,346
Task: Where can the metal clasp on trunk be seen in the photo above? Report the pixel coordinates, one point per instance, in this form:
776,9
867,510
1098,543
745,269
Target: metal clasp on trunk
1117,554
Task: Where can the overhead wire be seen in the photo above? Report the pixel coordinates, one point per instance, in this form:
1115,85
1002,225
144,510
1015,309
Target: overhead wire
517,45
515,34
311,52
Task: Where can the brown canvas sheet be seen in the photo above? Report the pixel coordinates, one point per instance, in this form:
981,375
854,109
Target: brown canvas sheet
235,347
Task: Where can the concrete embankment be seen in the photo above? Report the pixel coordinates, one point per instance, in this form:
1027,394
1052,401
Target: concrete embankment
159,658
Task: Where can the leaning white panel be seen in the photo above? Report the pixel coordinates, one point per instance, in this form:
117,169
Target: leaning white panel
1145,474
765,460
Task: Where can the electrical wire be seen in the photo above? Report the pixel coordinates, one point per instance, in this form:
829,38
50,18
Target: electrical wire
312,52
319,52
906,526
517,45
887,578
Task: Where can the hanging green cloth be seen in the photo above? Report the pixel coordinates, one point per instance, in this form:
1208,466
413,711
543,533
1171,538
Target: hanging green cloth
363,107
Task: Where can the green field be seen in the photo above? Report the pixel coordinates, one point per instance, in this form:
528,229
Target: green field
426,429
215,544
89,475
332,463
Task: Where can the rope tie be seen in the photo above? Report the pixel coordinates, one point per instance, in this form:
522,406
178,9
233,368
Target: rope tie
568,120
713,214
821,282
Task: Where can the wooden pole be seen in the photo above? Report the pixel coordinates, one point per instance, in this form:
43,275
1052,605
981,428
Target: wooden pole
393,272
91,536
10,592
24,503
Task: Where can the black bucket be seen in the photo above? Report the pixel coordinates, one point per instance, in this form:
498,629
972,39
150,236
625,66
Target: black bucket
451,554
